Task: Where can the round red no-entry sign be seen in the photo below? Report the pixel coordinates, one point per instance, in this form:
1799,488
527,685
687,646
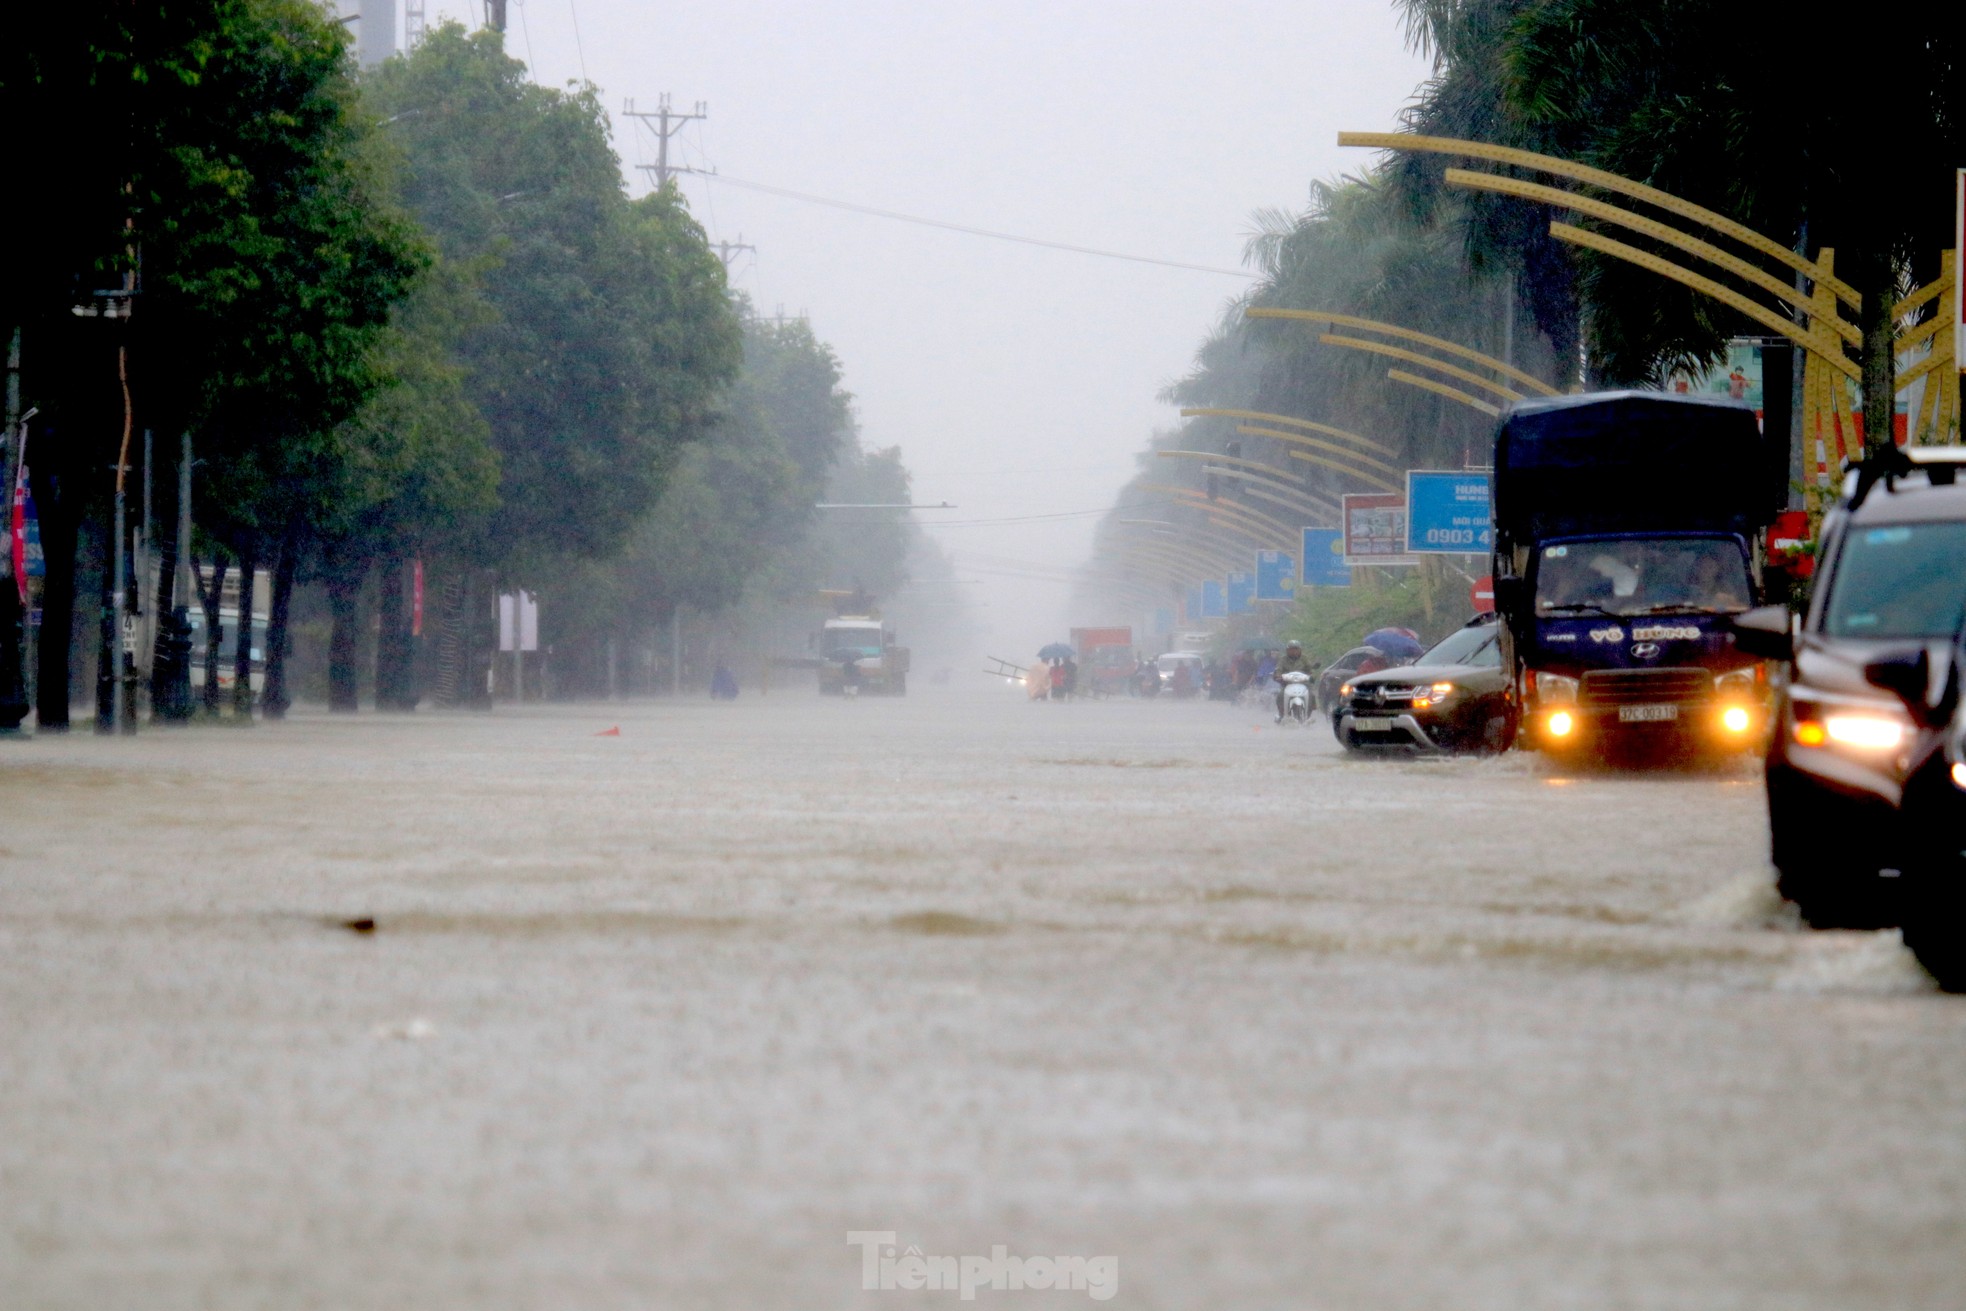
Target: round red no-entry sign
1482,594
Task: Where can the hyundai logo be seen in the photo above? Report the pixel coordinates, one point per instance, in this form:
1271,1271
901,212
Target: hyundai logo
1645,650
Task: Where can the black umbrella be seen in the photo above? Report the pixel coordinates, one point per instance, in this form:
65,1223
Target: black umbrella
1056,651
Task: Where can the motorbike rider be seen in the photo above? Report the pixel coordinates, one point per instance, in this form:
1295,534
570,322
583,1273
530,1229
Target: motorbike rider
1291,661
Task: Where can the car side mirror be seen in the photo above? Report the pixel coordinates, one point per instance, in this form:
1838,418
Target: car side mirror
1908,674
1508,593
1766,632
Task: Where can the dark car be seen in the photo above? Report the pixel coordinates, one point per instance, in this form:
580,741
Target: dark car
1851,730
1933,809
1453,698
1358,660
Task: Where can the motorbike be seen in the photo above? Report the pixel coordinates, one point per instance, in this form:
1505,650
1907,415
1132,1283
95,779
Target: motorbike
1296,697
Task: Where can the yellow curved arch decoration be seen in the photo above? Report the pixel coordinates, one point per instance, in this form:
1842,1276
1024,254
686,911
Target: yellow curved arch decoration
1262,417
1814,343
1442,389
1295,439
1426,362
1441,344
1706,250
1624,186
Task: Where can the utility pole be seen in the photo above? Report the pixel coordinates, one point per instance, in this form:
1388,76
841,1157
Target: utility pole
495,15
666,123
727,251
13,591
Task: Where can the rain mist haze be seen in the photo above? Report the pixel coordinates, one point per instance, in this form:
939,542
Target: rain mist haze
1020,382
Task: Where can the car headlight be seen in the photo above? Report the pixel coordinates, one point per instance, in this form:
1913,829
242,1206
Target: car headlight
1959,775
1555,687
1344,689
1866,732
1442,689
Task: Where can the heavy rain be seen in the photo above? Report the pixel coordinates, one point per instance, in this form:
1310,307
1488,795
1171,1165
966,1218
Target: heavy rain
1282,656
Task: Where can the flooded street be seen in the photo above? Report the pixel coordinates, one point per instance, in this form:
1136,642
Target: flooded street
656,1019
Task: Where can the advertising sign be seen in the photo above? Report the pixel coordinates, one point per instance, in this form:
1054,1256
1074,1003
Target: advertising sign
1276,576
1163,621
1375,529
1447,512
1214,604
1191,605
1241,593
1324,558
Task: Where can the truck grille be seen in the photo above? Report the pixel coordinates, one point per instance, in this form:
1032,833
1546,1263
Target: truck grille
1623,687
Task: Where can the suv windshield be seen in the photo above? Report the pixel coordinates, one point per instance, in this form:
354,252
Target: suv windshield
1642,575
1465,646
1899,581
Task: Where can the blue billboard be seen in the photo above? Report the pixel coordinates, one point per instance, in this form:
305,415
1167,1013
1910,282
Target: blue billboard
1214,604
1191,606
1241,593
1447,513
1276,576
1163,621
1324,558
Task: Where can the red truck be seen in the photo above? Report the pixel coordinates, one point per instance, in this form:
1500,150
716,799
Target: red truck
1105,657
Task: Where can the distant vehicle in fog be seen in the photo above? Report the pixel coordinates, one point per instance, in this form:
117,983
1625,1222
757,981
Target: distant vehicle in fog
1866,799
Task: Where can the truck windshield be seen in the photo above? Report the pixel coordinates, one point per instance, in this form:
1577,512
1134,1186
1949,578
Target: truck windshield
1642,575
853,641
1898,582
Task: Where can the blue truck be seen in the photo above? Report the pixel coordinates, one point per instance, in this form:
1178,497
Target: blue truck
1627,525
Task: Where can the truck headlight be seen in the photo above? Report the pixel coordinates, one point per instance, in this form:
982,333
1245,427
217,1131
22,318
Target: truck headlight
1736,682
1735,719
1555,687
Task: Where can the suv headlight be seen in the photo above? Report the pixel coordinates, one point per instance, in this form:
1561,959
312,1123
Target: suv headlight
1856,728
1555,688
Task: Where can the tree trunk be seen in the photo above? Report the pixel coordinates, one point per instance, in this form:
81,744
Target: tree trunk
344,640
1877,282
395,645
60,530
242,652
274,702
214,633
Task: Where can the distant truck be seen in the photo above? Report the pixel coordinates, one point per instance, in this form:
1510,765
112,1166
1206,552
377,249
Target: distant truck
1626,525
860,647
1105,658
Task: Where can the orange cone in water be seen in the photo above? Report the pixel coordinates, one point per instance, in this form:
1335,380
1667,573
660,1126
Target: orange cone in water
610,732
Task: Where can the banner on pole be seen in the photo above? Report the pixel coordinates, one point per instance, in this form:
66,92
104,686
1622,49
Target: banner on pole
1375,529
1241,592
1276,576
1214,603
1447,512
1324,558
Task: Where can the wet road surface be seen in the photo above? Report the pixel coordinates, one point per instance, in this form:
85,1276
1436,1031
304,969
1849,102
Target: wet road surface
655,1020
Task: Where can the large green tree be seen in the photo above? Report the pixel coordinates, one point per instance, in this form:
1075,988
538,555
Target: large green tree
223,179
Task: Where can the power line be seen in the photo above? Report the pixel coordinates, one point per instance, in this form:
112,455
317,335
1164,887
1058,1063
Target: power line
573,9
1031,518
947,226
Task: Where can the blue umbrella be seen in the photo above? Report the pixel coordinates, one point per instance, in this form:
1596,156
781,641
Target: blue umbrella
1056,651
1395,644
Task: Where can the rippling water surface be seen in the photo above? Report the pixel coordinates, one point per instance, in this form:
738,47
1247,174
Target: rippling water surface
656,1019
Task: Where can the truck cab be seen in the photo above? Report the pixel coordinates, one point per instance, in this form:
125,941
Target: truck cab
862,648
1627,528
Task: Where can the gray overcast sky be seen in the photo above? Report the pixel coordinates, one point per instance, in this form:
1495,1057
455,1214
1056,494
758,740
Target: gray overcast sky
1016,380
